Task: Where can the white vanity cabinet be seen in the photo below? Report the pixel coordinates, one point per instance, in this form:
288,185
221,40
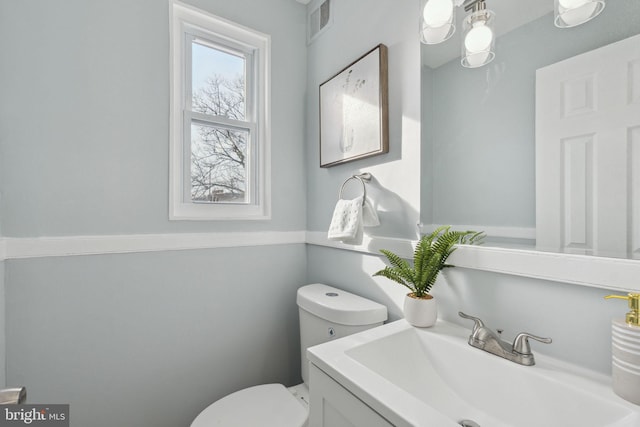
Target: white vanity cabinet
332,405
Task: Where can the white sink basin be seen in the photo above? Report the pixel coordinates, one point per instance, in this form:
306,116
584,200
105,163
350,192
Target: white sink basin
432,377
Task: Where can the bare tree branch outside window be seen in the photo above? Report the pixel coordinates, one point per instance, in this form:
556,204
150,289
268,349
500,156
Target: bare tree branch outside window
219,153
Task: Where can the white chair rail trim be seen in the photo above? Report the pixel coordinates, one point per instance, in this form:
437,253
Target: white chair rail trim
600,272
36,247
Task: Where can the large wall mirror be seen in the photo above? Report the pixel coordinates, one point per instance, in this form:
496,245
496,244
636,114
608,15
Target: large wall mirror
478,125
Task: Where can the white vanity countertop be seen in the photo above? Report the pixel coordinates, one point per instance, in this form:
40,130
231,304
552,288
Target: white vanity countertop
427,376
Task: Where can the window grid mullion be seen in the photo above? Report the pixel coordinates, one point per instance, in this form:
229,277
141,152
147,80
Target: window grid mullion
218,120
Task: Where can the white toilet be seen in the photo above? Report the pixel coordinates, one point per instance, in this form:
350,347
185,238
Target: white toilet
326,313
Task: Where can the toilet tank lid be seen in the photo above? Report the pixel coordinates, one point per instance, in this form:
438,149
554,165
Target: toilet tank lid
338,306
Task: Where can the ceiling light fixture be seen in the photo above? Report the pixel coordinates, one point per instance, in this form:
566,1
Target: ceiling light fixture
438,23
478,40
569,13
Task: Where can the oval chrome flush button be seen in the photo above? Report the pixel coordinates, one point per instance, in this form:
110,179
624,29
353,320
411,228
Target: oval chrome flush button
331,294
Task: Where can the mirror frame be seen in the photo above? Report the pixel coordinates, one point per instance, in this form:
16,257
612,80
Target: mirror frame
617,274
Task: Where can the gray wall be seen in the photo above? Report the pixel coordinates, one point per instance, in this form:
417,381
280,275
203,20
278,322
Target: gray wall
136,339
85,107
151,339
478,169
577,318
479,145
395,189
2,327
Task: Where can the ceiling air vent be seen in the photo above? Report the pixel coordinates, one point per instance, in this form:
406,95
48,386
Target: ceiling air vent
319,18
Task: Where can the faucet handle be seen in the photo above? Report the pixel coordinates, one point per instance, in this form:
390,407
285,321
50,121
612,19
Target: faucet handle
521,343
478,323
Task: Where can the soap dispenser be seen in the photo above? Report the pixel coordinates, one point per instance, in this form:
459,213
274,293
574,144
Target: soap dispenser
625,351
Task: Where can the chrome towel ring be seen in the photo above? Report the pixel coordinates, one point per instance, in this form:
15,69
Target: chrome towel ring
363,177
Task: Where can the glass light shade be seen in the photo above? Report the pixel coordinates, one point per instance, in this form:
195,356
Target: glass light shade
569,13
437,22
478,39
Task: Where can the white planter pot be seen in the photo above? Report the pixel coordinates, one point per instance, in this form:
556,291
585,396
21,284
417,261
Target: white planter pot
420,312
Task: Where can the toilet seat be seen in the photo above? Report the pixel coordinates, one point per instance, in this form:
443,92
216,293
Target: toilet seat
267,405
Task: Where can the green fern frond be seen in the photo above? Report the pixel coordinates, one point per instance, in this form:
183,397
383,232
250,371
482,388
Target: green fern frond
396,260
429,258
475,238
393,274
420,254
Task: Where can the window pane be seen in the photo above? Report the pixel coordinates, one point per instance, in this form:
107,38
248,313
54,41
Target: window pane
218,82
218,164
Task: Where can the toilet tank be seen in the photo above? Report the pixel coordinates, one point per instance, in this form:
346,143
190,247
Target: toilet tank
327,313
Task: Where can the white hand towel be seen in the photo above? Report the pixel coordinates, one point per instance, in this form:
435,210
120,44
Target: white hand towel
369,215
346,221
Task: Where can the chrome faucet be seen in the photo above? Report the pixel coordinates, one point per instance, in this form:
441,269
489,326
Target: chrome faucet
485,339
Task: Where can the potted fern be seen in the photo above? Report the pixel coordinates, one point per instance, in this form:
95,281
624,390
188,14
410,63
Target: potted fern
429,258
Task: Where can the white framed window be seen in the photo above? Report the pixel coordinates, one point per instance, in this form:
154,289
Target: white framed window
220,122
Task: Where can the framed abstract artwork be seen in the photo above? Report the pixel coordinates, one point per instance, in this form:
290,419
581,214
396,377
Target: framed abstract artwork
354,111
